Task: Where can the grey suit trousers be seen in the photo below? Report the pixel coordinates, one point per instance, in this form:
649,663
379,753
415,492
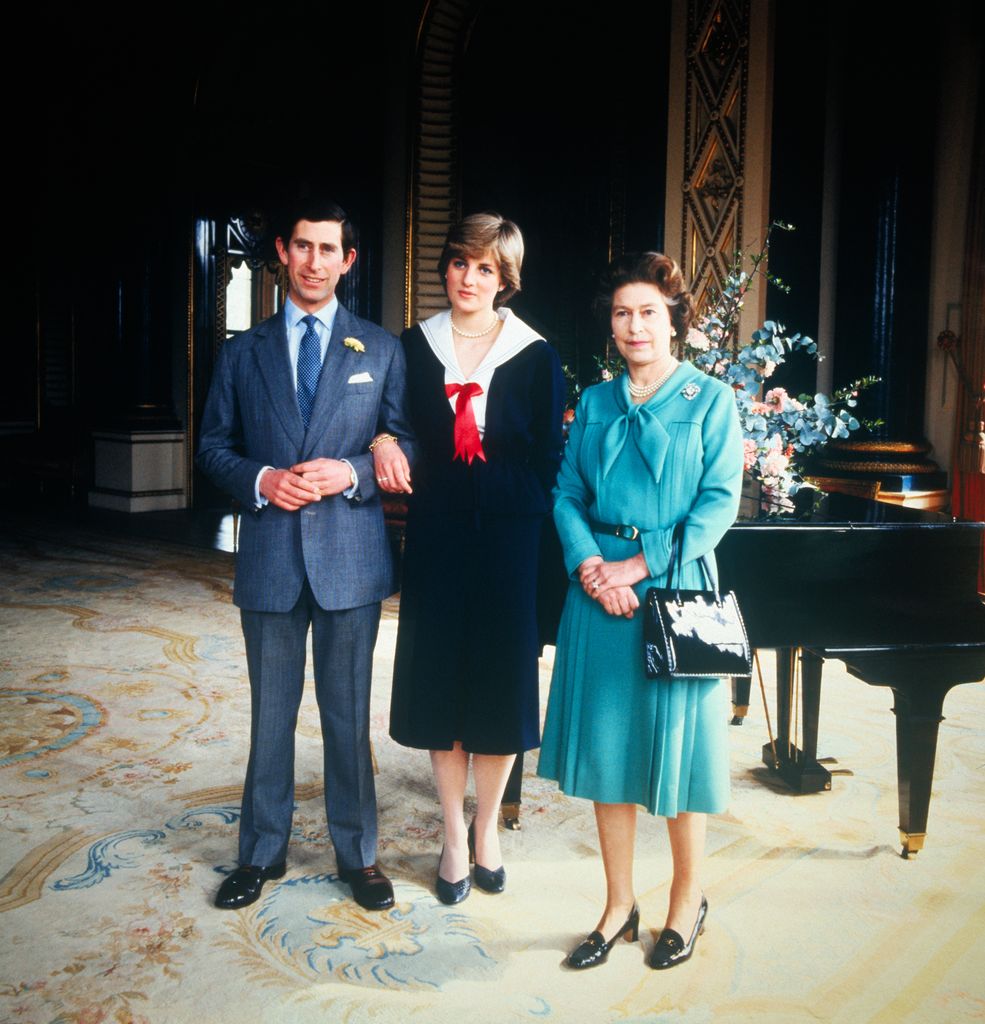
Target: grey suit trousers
342,648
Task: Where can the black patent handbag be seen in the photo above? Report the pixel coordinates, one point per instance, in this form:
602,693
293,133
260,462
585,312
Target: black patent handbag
693,632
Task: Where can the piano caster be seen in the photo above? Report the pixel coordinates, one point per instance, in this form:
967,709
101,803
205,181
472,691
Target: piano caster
912,842
511,816
739,712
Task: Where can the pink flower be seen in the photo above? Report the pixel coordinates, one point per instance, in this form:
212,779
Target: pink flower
775,464
697,340
748,453
760,408
606,375
768,367
776,397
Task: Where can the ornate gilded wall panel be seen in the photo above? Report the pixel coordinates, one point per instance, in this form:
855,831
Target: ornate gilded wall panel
714,150
435,192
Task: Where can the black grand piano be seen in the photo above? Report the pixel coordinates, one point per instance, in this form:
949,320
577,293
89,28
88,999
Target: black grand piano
890,591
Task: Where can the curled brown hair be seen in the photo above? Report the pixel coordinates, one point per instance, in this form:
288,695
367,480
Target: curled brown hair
479,233
648,268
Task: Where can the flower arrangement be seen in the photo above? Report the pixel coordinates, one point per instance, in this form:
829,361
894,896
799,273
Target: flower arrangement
778,429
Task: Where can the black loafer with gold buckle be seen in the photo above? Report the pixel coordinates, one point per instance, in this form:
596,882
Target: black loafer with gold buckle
595,949
671,949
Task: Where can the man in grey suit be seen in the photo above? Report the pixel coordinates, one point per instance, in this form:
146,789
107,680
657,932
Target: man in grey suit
294,406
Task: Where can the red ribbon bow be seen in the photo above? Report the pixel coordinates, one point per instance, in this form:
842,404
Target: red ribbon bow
468,444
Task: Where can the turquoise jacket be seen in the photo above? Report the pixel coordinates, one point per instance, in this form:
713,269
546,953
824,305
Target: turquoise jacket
689,437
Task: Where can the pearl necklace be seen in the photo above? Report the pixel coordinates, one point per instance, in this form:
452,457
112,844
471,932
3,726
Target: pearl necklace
645,390
473,334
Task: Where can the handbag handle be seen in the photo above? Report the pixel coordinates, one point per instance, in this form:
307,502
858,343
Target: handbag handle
677,562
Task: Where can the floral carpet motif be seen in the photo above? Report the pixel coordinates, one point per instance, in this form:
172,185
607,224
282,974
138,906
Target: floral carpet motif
124,722
40,722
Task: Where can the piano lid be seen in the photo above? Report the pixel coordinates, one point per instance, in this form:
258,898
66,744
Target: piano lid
816,509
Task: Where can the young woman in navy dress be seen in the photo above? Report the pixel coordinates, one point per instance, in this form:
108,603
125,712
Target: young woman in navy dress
486,397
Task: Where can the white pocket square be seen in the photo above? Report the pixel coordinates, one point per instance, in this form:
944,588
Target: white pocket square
360,378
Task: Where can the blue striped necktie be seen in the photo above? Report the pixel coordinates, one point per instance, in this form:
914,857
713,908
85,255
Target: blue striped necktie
309,369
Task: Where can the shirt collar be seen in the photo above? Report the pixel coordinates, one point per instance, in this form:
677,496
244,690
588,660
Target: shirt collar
325,315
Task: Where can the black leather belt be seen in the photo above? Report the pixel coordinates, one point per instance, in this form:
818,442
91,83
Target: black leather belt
621,530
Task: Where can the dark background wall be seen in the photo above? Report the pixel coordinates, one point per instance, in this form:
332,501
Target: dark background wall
568,138
128,136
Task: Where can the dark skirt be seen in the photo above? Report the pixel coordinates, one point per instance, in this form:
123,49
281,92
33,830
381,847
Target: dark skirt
467,647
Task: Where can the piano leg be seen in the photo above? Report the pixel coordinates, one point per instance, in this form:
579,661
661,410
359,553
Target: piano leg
510,804
741,686
918,717
798,768
920,681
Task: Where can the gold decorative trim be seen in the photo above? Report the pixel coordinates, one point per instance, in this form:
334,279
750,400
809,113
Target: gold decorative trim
190,375
434,192
904,447
912,841
221,796
716,100
879,467
222,275
178,647
25,881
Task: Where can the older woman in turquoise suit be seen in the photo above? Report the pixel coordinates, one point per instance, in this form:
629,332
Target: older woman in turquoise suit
658,446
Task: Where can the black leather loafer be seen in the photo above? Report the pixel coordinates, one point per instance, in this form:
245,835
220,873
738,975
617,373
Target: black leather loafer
371,889
595,949
245,884
671,949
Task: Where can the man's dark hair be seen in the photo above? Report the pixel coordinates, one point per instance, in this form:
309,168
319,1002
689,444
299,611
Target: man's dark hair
318,210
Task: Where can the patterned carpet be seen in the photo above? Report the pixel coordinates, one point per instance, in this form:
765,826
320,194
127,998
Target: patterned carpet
122,749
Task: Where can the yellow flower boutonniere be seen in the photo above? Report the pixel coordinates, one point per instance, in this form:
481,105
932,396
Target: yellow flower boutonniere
355,344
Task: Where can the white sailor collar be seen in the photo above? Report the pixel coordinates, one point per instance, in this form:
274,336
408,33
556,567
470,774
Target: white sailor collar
514,336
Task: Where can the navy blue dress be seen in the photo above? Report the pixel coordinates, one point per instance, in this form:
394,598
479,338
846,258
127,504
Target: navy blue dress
467,647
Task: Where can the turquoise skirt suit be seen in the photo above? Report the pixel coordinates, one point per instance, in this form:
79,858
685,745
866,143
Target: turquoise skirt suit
611,734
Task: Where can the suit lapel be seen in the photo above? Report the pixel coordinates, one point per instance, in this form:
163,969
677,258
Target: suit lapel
335,373
275,366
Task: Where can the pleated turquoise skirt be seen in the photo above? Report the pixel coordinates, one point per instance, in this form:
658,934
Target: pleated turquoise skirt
614,736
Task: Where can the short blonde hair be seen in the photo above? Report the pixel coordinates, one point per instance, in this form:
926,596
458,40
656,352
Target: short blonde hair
479,233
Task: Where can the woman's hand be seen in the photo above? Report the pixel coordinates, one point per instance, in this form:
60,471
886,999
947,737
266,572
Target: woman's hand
391,468
619,601
597,576
586,574
610,583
